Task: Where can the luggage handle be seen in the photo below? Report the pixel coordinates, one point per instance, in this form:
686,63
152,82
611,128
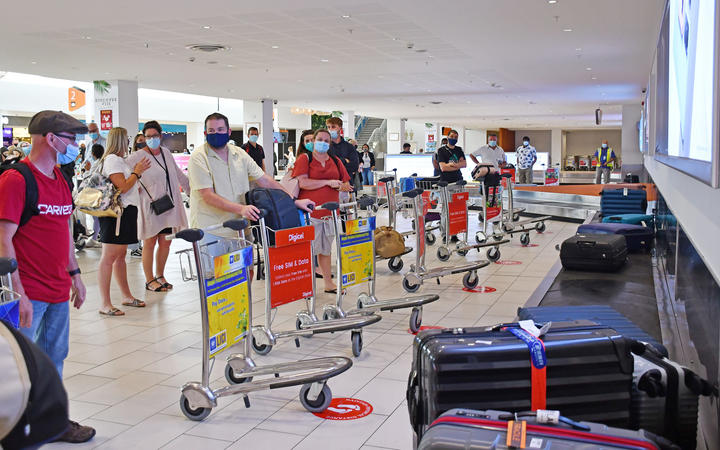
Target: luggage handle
538,416
586,244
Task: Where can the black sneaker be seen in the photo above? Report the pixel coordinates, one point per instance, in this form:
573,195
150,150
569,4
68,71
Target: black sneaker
137,252
77,434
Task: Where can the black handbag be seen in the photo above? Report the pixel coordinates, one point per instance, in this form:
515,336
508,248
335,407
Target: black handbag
164,203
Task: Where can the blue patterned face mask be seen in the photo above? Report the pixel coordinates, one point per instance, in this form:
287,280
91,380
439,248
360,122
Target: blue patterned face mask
322,146
333,134
526,143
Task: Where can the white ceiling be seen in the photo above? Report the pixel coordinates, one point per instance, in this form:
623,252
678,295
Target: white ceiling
490,62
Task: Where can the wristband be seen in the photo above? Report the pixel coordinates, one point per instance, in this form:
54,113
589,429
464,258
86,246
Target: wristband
74,272
138,176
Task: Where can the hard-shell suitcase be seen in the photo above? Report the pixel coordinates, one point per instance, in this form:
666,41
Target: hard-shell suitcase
636,236
477,430
665,396
588,373
594,252
646,220
600,314
623,201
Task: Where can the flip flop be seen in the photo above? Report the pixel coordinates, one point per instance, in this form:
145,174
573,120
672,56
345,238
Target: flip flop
135,303
160,288
165,283
112,312
331,291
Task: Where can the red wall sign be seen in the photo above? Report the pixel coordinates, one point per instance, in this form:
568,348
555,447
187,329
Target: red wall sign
458,213
106,119
342,408
290,265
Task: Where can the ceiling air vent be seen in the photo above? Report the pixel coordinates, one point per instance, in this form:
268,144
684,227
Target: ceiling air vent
207,48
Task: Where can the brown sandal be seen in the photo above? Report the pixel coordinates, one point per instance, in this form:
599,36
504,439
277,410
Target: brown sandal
112,312
161,288
165,284
135,303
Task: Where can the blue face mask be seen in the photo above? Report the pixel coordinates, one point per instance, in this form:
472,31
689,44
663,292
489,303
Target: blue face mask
334,134
217,140
309,146
253,138
153,142
526,143
71,153
94,136
27,149
452,141
492,143
604,146
322,146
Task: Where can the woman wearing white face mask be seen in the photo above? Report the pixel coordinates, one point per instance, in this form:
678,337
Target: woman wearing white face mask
321,177
161,210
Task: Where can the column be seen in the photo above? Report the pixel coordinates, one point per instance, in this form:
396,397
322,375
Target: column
556,147
348,118
628,150
402,133
116,105
266,134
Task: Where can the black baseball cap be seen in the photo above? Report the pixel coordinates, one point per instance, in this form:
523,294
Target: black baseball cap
55,122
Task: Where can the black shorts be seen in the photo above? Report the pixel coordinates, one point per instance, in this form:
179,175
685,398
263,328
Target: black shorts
128,228
166,231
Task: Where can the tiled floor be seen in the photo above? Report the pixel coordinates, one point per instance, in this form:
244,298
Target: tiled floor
123,374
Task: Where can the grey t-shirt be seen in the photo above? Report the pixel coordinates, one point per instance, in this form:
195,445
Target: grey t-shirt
489,155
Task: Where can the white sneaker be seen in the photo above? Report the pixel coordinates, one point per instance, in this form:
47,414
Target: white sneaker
92,243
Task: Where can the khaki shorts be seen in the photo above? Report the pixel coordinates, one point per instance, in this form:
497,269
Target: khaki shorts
324,236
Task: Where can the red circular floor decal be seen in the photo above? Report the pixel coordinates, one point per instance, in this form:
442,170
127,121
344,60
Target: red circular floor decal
343,408
529,245
509,262
481,289
423,328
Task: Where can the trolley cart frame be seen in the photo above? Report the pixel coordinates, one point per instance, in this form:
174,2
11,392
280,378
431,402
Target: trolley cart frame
506,228
307,323
9,298
418,273
451,196
197,399
539,222
367,301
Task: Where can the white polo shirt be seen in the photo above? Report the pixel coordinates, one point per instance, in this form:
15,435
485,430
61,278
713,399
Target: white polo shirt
489,155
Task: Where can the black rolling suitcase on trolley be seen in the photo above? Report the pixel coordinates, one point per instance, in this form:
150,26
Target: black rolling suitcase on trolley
588,373
594,252
468,429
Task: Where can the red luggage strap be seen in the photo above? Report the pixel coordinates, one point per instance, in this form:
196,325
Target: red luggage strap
538,362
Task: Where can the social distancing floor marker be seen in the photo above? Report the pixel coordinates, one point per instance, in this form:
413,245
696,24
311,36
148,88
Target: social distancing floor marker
481,289
343,408
426,327
528,245
508,262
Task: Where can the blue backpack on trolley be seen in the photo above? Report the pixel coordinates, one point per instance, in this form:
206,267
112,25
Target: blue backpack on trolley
407,184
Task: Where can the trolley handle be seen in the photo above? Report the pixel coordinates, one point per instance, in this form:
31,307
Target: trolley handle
412,193
386,179
332,206
506,175
364,202
236,224
188,234
7,266
442,183
460,183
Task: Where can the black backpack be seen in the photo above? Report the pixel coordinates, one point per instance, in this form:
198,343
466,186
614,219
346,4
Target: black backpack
31,189
282,212
46,414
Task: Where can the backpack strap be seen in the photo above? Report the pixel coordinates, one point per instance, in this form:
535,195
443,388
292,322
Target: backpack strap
31,192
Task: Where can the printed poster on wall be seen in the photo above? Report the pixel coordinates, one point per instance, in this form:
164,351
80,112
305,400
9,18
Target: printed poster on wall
228,300
106,104
356,251
552,176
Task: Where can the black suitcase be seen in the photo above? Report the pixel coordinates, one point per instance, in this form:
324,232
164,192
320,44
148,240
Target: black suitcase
588,373
594,252
665,396
478,430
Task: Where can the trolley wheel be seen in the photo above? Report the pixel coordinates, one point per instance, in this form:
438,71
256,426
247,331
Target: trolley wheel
462,252
470,280
516,217
525,239
232,379
193,414
429,238
415,320
263,349
410,287
507,227
395,264
357,343
497,237
320,404
493,254
480,237
540,227
443,253
80,244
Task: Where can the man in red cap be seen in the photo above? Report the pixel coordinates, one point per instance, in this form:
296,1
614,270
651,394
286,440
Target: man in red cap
38,236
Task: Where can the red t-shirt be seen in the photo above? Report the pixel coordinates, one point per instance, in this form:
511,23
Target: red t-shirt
43,243
317,171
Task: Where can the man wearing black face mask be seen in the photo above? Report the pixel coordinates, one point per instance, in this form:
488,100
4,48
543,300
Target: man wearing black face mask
220,175
451,159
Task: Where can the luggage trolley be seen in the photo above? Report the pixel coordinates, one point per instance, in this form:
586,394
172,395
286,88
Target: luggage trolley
513,214
355,264
501,228
290,276
418,272
390,191
226,316
454,199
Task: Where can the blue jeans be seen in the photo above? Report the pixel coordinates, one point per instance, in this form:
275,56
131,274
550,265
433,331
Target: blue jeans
50,330
367,177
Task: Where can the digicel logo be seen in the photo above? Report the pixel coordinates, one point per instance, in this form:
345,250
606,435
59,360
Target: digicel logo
296,237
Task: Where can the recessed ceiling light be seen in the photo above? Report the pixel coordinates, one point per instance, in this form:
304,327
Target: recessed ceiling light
593,78
170,53
33,62
395,39
552,2
567,30
345,16
579,49
206,27
87,37
230,66
275,46
324,60
588,68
